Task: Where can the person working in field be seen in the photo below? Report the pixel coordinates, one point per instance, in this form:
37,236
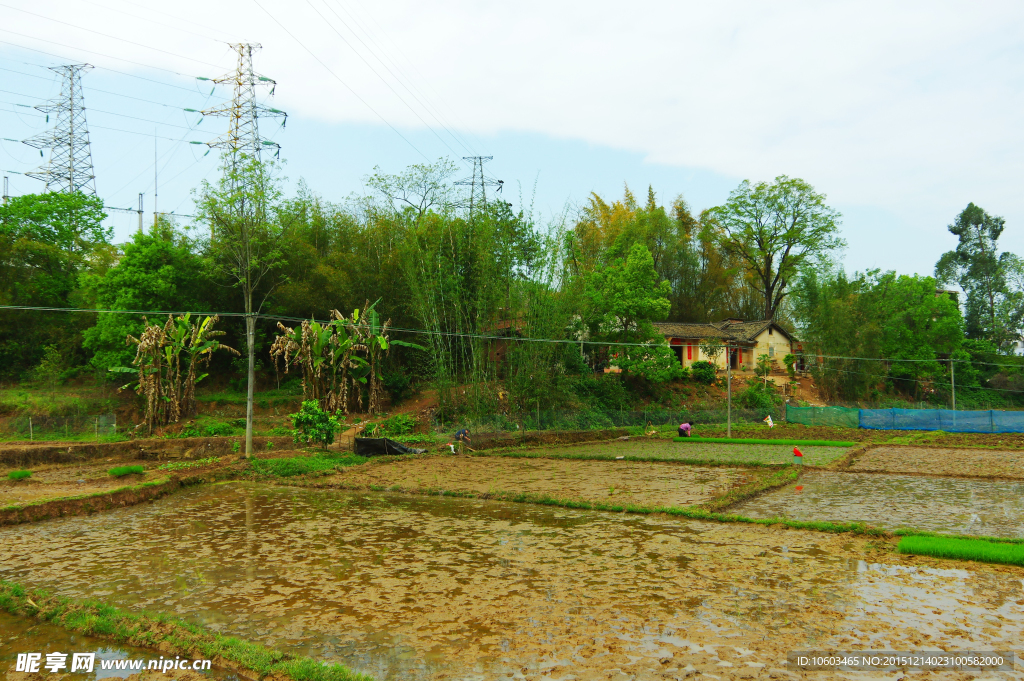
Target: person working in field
462,437
684,429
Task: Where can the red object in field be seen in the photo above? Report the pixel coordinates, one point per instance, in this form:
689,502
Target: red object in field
799,487
796,452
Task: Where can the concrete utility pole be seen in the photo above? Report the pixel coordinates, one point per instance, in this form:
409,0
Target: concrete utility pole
728,387
140,212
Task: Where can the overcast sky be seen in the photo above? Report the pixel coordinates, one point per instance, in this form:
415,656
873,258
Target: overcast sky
900,113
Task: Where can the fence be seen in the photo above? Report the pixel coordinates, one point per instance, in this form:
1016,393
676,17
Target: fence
990,421
48,427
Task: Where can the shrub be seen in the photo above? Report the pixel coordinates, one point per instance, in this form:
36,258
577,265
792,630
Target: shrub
19,475
220,429
121,471
397,383
399,424
314,425
703,372
761,397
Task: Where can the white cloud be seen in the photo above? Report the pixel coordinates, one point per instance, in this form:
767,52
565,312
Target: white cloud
908,107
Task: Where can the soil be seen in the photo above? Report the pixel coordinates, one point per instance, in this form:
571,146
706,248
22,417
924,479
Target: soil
647,484
26,454
965,463
988,508
710,452
417,588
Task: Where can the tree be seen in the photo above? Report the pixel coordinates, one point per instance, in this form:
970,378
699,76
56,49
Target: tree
628,296
246,243
773,229
994,309
46,242
159,270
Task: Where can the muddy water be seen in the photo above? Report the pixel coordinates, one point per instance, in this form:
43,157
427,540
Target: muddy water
22,635
407,587
979,507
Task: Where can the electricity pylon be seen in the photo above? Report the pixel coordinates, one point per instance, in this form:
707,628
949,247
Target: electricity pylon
479,182
70,167
243,111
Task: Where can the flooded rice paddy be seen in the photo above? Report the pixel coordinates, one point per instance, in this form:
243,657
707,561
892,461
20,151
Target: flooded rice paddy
19,636
712,452
943,461
640,483
960,506
412,587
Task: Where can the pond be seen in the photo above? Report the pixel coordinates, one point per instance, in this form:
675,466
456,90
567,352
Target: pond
407,587
992,508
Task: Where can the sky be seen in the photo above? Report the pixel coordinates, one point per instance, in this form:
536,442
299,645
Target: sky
901,113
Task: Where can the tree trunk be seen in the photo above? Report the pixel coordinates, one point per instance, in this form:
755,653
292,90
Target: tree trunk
250,337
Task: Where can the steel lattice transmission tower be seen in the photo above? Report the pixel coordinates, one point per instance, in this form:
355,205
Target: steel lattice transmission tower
70,167
479,182
243,111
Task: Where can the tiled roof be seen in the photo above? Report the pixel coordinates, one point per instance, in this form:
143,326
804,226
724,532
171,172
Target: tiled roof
726,330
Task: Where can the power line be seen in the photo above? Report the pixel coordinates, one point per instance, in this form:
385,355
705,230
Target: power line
382,79
107,35
101,54
338,78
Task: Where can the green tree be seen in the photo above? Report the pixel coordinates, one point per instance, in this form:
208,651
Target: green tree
46,242
775,228
994,308
245,243
159,270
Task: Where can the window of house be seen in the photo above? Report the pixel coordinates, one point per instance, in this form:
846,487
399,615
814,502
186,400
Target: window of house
770,331
771,350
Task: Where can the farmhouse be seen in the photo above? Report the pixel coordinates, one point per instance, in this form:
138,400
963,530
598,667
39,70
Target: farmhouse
746,341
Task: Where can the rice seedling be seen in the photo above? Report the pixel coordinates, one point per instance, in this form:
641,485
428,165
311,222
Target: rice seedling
963,549
19,475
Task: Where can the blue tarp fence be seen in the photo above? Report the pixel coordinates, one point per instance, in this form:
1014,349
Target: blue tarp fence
947,420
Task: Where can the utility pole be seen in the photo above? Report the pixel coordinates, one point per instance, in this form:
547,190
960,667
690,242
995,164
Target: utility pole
156,193
6,191
479,182
243,111
140,212
728,387
952,380
70,168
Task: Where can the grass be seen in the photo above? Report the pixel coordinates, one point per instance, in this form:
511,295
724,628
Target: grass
660,450
318,464
963,549
185,465
19,475
92,618
121,471
757,441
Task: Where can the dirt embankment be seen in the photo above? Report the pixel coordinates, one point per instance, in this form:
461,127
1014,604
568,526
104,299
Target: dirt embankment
27,454
124,496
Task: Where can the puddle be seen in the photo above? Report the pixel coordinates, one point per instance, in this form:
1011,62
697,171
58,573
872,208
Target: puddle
406,587
979,507
22,635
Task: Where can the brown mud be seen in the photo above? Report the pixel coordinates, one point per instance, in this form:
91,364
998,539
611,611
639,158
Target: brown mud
965,463
436,588
898,501
711,453
646,484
